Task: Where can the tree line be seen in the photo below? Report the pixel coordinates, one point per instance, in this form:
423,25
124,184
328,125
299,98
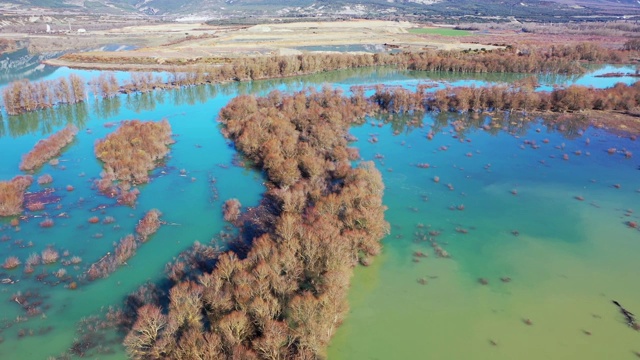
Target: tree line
562,59
24,96
519,96
125,248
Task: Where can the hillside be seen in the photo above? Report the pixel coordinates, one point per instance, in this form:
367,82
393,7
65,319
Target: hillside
544,10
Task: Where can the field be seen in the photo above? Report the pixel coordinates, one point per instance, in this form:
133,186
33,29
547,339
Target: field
201,43
440,31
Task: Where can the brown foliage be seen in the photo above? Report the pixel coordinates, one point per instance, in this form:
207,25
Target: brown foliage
145,331
105,85
632,44
126,247
35,206
123,251
231,210
523,58
516,97
47,223
24,96
286,298
128,197
48,148
149,224
49,256
12,195
130,153
45,179
11,262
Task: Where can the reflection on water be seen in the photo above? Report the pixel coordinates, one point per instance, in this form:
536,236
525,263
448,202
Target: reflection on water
109,107
21,64
46,121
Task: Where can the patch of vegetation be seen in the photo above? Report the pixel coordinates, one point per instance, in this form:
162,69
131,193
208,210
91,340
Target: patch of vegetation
128,155
24,96
48,148
286,296
12,195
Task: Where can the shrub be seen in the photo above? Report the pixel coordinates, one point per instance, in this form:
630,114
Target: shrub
12,195
48,148
35,206
133,150
50,256
123,251
231,210
45,179
46,223
149,224
11,262
33,260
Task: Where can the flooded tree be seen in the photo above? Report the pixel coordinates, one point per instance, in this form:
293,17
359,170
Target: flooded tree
128,154
12,195
25,96
149,224
320,216
231,210
48,148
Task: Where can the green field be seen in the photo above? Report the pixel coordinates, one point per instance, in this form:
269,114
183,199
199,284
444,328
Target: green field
439,31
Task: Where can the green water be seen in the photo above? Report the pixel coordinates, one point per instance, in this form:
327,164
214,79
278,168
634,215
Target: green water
569,260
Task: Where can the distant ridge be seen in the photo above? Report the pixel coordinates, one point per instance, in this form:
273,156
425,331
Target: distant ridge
534,9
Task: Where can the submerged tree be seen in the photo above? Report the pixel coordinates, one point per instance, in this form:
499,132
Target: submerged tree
48,148
24,96
319,217
12,195
129,154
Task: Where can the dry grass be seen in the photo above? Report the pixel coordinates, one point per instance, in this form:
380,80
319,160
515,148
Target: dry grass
188,44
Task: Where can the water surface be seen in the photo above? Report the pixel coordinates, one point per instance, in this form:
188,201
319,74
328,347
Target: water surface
568,260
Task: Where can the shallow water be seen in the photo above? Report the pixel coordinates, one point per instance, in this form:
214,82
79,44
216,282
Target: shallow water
570,257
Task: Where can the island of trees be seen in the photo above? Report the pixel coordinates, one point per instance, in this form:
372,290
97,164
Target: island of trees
285,297
12,195
48,148
129,154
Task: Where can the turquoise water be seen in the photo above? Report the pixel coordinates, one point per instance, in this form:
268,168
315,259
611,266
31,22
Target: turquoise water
569,260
